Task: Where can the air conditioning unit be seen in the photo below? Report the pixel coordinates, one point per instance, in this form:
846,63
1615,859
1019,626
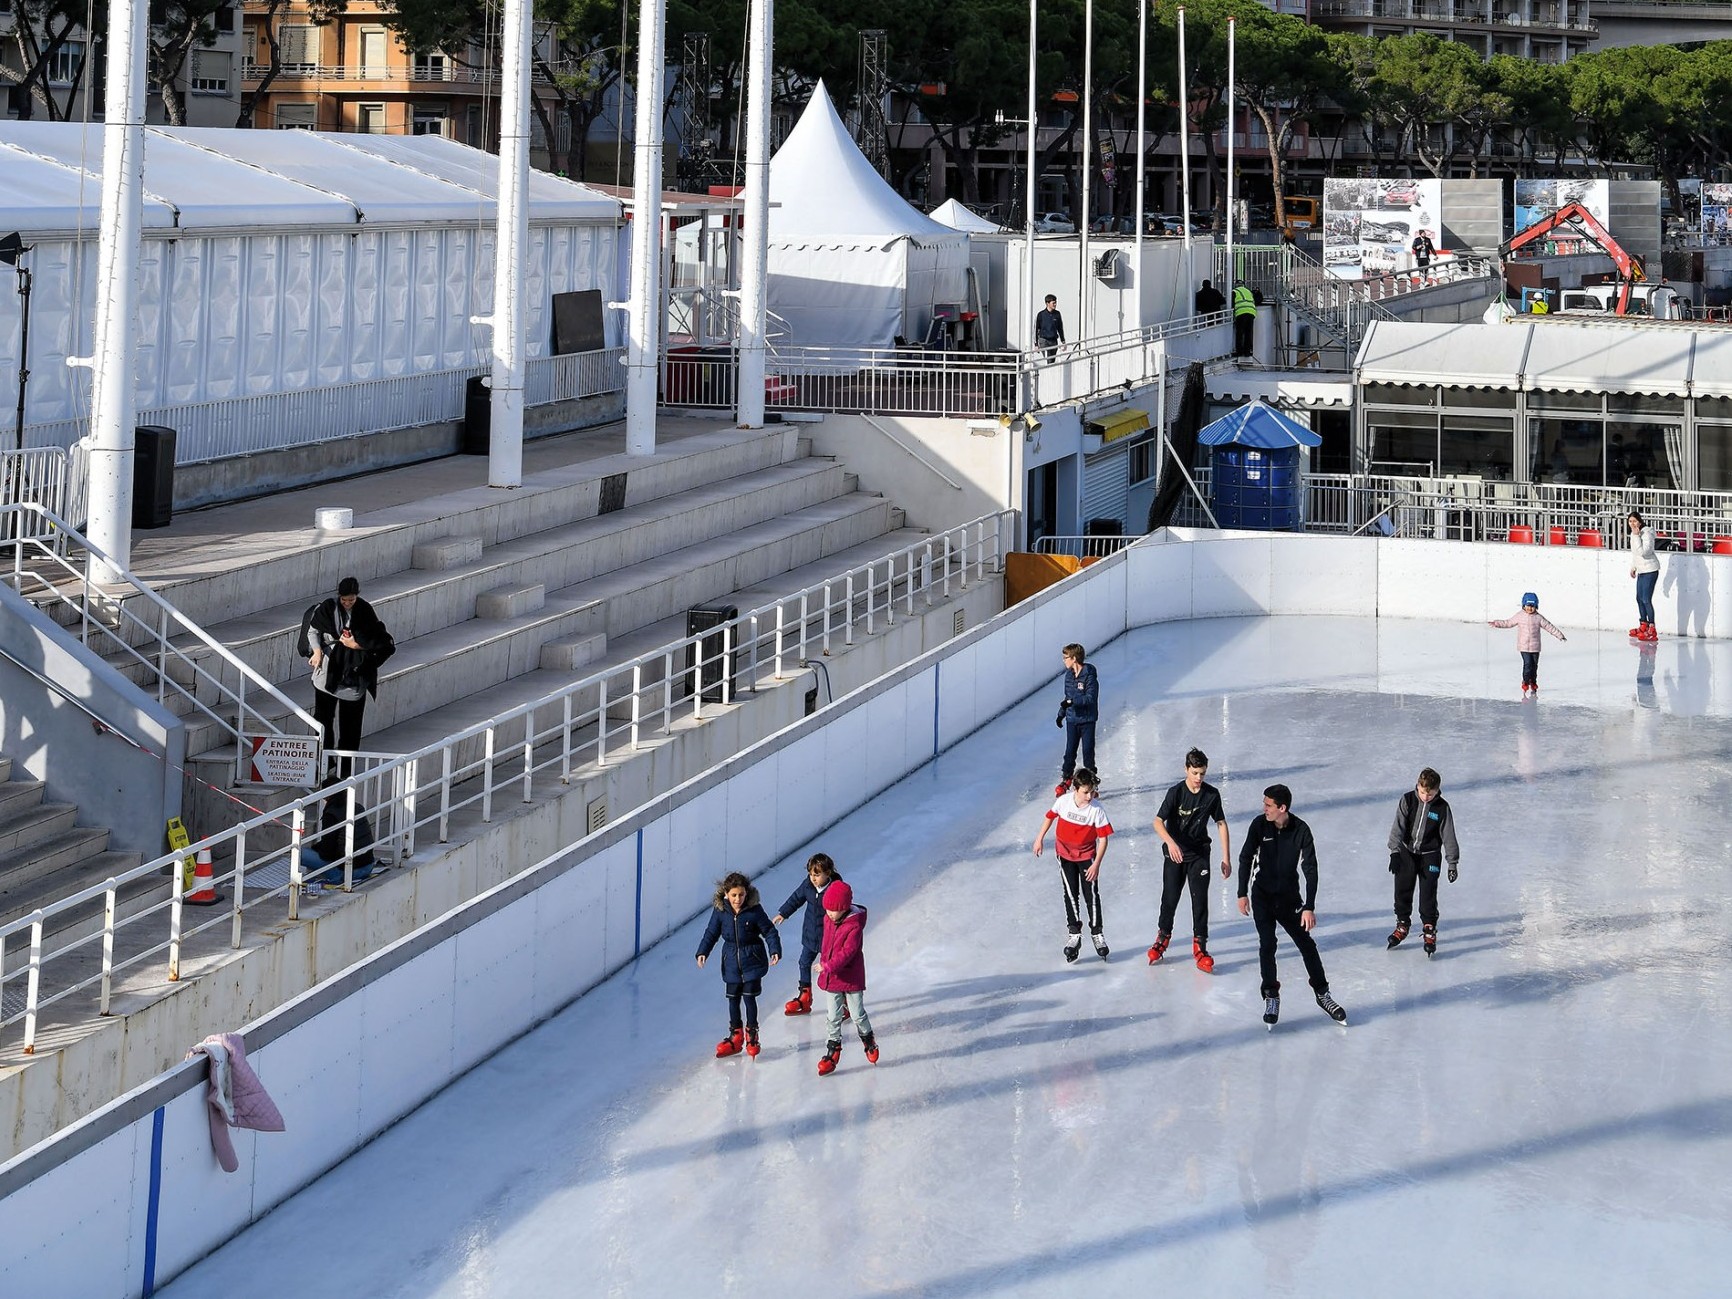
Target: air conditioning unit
1108,265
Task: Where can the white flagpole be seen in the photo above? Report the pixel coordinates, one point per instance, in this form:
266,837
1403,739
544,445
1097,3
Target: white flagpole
511,238
643,342
1085,327
755,241
1025,331
1142,100
1185,171
1232,124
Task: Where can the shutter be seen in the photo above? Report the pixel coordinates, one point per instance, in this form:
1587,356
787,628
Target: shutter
297,46
1106,483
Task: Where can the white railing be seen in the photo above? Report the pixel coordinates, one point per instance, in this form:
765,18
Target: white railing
271,421
36,476
1092,547
1468,508
180,663
608,714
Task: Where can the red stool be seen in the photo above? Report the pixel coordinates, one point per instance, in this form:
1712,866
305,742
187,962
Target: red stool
1590,538
1555,537
1521,535
1723,545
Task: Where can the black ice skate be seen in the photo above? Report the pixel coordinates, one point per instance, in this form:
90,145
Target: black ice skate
1399,934
1271,1010
1100,946
1331,1008
1072,946
1430,936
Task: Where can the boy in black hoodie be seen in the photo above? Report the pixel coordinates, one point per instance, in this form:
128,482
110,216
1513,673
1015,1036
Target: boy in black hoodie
1422,835
1278,850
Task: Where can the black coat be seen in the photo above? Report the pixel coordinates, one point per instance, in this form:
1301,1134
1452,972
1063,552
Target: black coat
347,666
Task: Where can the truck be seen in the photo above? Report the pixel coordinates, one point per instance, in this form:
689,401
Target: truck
1300,212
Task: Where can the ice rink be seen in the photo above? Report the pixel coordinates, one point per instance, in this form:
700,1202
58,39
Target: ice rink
1544,1109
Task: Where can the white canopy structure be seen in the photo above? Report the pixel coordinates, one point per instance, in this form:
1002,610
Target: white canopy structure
957,217
278,261
852,264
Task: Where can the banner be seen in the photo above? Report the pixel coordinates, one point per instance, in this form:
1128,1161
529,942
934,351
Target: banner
1536,200
1369,224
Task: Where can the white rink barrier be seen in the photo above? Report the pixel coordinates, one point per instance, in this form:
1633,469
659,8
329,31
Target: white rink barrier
130,1196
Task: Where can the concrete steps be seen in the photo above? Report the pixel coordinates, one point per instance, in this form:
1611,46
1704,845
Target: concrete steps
45,853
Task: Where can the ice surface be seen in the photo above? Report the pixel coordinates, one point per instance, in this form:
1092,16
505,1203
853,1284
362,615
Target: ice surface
1544,1109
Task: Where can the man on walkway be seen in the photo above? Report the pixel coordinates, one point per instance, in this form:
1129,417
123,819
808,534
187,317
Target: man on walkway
1422,249
1049,328
1279,851
1209,300
1244,319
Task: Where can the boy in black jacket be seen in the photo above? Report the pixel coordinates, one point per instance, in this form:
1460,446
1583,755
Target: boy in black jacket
1077,713
1279,849
1421,837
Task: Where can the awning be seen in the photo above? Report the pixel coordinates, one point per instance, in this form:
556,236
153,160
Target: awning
1119,424
1455,356
1282,388
1711,367
1637,359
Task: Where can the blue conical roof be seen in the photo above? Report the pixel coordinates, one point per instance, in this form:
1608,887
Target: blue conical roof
1257,425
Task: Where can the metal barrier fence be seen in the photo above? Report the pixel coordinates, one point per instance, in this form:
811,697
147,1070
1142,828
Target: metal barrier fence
1082,547
271,421
37,476
1476,509
614,711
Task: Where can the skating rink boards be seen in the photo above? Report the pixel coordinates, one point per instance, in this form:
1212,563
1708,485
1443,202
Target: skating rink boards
1544,1109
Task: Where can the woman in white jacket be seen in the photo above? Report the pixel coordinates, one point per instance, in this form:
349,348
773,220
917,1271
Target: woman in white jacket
1645,568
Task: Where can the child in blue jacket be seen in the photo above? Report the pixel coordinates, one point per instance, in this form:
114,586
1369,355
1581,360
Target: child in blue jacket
820,874
750,946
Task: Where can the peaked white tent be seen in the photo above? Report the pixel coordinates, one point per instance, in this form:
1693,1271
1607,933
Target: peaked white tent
953,214
852,264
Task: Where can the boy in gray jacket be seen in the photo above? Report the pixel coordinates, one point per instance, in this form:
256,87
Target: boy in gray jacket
1422,836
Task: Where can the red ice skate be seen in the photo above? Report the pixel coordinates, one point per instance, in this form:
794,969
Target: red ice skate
1649,632
1205,962
1059,789
730,1045
871,1046
800,1005
752,1043
1160,948
827,1061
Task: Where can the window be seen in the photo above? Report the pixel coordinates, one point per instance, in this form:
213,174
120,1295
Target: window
430,67
295,117
370,119
373,61
224,19
211,70
1142,453
429,119
66,63
299,48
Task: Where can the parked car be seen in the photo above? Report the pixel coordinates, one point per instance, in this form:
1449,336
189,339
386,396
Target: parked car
1399,194
1384,232
1054,223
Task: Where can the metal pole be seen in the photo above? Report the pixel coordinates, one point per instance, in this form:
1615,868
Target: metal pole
1185,172
643,324
1085,327
1142,100
23,350
112,404
505,449
755,238
1232,124
1025,328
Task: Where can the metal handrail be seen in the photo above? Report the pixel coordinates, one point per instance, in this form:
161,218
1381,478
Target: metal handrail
615,709
1088,547
104,617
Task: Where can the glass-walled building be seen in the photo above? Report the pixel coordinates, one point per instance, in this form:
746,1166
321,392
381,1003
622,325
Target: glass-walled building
1558,400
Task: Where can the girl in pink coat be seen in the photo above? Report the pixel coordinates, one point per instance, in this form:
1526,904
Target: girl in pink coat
842,973
1528,624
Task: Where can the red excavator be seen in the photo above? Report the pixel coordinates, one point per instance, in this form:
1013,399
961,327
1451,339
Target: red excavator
1586,227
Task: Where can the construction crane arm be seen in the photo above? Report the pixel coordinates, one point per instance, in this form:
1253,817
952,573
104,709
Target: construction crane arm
1584,222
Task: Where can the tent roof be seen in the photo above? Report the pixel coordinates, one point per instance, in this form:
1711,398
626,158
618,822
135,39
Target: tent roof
1632,359
1257,425
206,179
822,189
953,214
1457,356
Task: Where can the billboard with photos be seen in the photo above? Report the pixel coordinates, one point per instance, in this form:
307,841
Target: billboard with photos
1537,199
1716,211
1369,224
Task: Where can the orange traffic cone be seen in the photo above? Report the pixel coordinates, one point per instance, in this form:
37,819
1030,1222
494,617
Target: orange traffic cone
203,893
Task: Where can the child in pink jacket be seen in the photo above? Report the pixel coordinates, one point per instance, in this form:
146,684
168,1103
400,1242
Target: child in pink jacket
842,973
1528,624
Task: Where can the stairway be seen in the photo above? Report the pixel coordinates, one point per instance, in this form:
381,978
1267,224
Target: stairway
45,854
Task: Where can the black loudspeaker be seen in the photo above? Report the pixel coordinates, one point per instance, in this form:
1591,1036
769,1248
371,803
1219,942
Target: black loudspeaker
579,324
478,416
152,476
704,661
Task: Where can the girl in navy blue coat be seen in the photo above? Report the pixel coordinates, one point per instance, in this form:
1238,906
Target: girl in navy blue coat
820,874
750,946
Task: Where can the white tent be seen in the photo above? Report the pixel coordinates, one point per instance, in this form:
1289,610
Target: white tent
278,261
953,214
852,264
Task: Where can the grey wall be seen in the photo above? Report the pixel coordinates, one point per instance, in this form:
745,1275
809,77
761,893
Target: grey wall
132,788
1633,213
1474,215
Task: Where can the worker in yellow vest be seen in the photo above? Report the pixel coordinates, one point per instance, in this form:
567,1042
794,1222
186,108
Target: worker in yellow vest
1244,319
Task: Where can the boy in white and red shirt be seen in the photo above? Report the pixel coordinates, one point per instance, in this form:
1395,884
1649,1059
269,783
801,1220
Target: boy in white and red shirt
1081,840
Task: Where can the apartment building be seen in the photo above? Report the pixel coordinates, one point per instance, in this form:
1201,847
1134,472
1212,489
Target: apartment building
1547,31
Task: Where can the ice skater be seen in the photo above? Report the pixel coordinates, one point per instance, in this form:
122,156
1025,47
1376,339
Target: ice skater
750,946
1183,824
820,874
1421,837
842,974
1645,568
1279,854
1077,713
1081,844
1528,624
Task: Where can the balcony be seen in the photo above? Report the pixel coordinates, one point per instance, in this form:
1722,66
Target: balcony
449,73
